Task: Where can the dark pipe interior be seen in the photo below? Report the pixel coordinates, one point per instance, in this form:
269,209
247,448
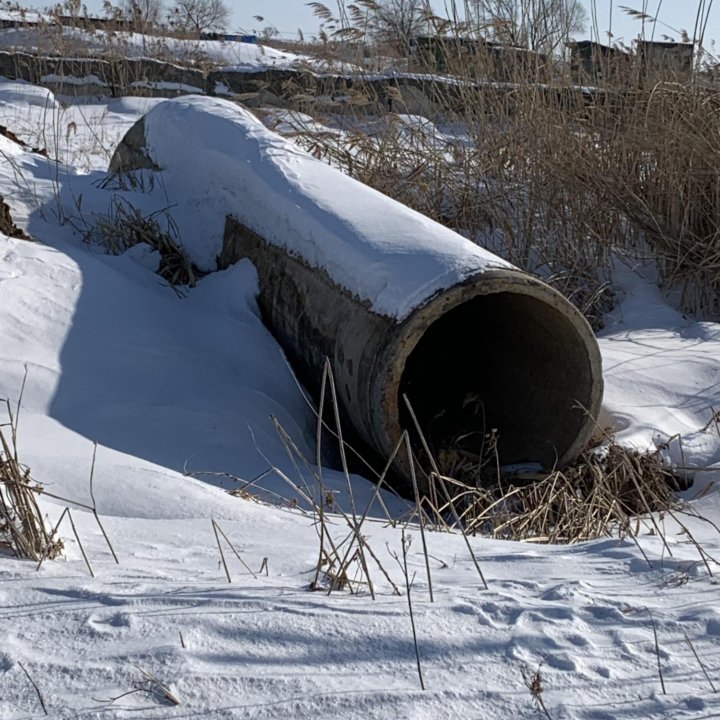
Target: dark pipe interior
503,361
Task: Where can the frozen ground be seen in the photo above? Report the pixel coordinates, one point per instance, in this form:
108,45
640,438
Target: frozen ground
245,56
165,383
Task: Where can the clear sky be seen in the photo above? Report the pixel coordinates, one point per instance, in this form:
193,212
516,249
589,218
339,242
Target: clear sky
673,15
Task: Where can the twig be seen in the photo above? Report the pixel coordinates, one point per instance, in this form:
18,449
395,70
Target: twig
37,689
416,492
700,662
164,689
110,701
320,505
222,555
217,530
94,506
657,651
52,535
44,555
405,545
77,537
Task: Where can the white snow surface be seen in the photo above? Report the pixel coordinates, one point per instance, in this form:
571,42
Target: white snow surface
22,16
381,251
231,55
162,382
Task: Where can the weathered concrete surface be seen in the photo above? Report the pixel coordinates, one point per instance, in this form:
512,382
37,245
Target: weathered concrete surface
96,76
131,153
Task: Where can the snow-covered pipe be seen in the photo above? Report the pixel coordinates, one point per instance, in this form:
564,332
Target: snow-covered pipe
398,303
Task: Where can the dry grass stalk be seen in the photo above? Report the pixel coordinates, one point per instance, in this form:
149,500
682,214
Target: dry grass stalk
355,525
94,507
657,651
218,532
342,562
436,476
555,178
22,529
700,663
158,687
406,541
37,689
418,507
534,683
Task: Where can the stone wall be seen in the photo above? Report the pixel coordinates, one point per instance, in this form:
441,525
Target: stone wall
296,88
95,76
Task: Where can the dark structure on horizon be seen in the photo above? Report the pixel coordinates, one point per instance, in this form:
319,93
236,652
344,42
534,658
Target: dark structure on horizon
598,64
483,58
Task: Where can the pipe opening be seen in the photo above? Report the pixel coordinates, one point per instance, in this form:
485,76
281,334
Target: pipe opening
504,361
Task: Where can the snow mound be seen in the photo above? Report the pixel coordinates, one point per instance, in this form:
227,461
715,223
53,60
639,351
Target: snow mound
381,251
18,94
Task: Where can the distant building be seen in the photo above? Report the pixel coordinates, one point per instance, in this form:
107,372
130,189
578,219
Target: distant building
95,23
252,39
598,64
667,60
483,58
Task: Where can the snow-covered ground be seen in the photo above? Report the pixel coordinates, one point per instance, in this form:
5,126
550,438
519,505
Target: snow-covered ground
233,54
168,385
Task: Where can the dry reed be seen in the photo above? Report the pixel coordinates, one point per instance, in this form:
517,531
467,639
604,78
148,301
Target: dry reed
603,494
22,528
125,226
557,178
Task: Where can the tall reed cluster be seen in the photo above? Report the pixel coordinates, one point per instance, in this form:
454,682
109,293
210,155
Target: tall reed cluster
560,178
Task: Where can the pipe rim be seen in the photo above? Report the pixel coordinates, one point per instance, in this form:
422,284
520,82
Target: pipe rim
390,365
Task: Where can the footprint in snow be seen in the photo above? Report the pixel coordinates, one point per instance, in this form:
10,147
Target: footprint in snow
108,624
533,650
563,591
577,640
551,614
604,612
464,609
561,662
501,614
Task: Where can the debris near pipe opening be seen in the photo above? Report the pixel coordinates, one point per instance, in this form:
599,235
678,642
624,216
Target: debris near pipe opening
608,491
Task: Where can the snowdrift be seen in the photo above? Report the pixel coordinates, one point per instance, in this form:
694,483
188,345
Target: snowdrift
399,304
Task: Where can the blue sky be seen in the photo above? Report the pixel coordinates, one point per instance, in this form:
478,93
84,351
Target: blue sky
289,15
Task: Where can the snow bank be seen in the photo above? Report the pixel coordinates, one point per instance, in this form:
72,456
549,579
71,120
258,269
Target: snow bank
381,251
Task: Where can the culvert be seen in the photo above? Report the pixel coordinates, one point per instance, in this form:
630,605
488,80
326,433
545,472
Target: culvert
399,304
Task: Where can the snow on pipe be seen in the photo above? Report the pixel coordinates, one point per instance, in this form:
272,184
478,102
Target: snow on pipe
398,303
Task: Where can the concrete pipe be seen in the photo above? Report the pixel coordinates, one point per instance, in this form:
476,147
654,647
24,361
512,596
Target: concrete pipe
398,303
